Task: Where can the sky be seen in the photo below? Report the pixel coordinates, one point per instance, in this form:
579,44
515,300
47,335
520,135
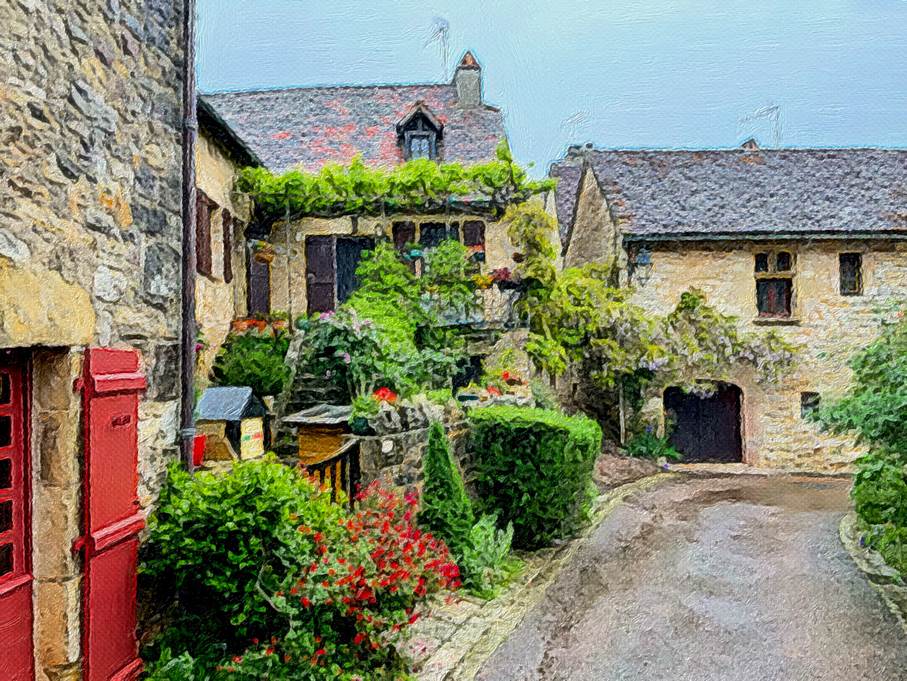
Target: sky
619,73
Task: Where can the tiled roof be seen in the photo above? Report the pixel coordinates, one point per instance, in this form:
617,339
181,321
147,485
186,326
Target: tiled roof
741,192
311,126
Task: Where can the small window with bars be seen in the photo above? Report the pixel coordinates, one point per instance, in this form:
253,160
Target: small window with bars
850,267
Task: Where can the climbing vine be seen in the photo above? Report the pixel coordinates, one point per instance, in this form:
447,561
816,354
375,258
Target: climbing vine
417,186
580,319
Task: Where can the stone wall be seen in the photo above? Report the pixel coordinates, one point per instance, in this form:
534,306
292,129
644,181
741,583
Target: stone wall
90,243
829,328
396,460
218,302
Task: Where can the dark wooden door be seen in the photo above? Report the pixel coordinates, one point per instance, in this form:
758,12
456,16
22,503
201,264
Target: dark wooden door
16,650
349,253
111,385
706,428
319,273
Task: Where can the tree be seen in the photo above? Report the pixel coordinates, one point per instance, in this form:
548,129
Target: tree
446,508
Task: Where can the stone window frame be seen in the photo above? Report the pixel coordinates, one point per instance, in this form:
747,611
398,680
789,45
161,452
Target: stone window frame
776,265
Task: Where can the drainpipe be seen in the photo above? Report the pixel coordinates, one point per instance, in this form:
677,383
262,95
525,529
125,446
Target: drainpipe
189,132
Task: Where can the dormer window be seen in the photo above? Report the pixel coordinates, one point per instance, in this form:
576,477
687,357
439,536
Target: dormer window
420,145
419,133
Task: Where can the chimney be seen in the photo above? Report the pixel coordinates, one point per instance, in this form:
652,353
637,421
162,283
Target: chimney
468,79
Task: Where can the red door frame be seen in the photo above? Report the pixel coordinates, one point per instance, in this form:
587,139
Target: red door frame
16,608
110,384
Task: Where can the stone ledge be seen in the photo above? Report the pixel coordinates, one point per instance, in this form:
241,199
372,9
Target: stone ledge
883,578
456,639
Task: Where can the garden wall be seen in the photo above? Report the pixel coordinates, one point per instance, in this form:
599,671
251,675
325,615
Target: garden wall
396,459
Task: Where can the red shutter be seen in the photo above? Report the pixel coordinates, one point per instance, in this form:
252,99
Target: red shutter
228,245
112,518
16,651
202,234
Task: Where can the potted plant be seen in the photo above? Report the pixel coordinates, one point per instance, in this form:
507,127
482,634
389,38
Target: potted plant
365,408
262,251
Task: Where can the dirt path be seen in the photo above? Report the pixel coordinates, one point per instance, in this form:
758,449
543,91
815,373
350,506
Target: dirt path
730,579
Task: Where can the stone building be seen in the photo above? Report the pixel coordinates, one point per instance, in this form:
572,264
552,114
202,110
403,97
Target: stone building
90,255
806,242
222,250
311,262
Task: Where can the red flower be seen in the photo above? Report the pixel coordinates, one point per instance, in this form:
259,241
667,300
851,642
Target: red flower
385,395
493,391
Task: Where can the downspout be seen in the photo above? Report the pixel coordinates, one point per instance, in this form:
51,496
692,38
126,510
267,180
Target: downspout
189,132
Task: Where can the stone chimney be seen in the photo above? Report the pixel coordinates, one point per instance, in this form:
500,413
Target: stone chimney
468,79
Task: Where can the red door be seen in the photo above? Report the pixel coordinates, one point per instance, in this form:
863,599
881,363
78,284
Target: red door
16,648
111,385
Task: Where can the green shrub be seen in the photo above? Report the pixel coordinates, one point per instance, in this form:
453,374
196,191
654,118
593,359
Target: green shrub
254,359
534,469
213,536
481,549
446,509
647,445
485,561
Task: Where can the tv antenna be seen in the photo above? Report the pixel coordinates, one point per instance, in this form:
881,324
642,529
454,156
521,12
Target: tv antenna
440,31
771,113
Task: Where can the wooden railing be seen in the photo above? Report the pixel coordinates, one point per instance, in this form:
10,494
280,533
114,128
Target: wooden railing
339,471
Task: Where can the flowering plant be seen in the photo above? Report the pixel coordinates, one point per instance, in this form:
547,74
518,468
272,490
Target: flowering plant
348,605
385,394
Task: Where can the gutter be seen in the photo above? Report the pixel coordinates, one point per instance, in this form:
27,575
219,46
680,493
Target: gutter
187,340
764,236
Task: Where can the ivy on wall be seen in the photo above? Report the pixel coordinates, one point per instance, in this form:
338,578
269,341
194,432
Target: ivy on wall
417,186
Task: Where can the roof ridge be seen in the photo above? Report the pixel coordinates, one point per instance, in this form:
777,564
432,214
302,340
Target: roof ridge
292,88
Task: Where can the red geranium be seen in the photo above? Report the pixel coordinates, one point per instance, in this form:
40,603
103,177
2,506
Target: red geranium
385,395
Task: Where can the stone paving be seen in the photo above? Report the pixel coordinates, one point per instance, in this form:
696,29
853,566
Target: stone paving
457,637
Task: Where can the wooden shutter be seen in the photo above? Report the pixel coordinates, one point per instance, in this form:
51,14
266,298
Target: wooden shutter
202,234
16,651
228,245
259,283
320,278
111,385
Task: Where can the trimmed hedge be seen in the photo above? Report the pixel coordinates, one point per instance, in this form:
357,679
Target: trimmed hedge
534,468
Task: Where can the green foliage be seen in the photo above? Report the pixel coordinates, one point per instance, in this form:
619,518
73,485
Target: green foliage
388,333
531,229
267,579
447,281
417,186
543,395
485,561
874,406
212,536
481,549
534,469
441,396
446,509
700,341
255,359
647,445
873,409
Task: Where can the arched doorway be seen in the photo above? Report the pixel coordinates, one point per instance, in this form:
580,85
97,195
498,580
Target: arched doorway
706,428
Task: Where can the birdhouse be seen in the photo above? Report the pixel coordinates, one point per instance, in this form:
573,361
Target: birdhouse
233,419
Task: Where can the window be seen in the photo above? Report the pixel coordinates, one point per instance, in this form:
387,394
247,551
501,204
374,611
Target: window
227,221
474,238
6,473
203,207
851,274
420,145
774,272
431,234
809,402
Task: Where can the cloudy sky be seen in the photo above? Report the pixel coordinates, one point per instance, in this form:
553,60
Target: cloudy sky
618,73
